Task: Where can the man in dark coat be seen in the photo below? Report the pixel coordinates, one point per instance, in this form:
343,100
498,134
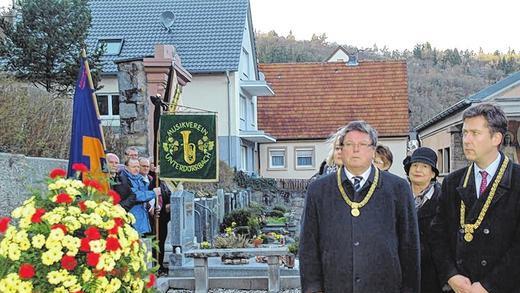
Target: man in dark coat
476,233
359,227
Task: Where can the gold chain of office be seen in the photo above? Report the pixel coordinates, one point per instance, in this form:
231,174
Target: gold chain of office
469,229
356,206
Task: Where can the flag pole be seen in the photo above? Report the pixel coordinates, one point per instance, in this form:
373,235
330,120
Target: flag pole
94,99
158,105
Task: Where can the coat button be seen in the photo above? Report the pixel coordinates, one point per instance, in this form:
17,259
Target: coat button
483,262
486,231
461,231
459,262
356,243
358,279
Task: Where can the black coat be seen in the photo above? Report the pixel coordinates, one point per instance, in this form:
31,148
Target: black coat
493,256
378,251
123,186
430,282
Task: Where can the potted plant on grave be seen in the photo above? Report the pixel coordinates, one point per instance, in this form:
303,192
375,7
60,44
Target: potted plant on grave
291,257
231,239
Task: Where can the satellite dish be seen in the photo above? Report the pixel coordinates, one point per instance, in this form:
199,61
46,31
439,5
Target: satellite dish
167,20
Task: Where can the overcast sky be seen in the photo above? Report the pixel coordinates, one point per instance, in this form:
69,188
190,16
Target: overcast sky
398,24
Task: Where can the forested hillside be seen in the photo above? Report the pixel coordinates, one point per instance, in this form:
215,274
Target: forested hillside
436,78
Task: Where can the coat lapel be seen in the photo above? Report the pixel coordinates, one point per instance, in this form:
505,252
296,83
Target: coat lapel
505,184
468,194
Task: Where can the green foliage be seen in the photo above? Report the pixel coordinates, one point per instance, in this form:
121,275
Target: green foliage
275,213
231,241
293,248
276,220
43,45
257,184
280,208
239,216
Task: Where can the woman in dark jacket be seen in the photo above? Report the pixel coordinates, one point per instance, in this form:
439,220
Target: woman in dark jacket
422,173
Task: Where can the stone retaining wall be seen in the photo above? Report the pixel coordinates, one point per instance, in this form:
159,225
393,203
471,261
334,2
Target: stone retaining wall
19,175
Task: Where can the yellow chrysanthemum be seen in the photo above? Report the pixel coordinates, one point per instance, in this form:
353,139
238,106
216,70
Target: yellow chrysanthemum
87,274
38,241
14,252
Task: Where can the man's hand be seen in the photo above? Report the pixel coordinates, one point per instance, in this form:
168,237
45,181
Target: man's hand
460,284
477,288
157,190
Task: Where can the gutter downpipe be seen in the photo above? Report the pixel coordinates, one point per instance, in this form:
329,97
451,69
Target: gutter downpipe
229,116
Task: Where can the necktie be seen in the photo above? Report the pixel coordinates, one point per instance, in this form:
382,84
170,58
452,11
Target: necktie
483,183
357,182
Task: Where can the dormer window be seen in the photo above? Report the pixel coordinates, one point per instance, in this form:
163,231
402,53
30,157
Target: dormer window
112,46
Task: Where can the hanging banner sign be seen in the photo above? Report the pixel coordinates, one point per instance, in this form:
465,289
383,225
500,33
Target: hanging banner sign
188,149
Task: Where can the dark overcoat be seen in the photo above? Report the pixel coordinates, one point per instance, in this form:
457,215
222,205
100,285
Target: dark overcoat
430,282
493,256
378,251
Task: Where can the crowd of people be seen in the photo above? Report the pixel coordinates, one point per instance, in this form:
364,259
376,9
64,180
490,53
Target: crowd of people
367,230
135,181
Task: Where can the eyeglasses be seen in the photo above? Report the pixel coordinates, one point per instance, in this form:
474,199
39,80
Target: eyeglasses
361,145
145,166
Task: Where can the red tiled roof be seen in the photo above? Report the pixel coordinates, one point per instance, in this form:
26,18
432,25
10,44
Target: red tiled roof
314,99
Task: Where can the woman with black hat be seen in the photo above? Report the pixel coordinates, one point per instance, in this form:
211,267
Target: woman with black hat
422,173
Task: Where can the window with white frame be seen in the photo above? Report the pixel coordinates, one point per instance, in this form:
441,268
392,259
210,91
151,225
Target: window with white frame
243,113
108,105
245,63
440,160
304,158
243,158
251,117
112,46
446,161
277,158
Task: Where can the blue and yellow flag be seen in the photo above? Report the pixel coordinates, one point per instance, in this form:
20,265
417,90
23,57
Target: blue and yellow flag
86,144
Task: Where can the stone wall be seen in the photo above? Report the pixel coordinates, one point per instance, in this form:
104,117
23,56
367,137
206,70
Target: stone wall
19,175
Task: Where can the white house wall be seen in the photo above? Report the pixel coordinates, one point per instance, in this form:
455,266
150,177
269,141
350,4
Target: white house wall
321,150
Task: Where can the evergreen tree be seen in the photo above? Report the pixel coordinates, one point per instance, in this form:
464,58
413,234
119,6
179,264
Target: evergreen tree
43,44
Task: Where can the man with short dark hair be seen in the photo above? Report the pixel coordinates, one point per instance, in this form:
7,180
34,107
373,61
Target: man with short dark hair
475,236
359,227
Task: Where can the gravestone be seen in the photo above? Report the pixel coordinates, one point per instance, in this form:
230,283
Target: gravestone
182,226
220,208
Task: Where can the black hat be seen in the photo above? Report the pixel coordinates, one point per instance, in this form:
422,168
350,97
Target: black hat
423,155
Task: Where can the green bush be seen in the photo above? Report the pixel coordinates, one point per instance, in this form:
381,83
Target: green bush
280,208
276,221
293,248
275,213
239,216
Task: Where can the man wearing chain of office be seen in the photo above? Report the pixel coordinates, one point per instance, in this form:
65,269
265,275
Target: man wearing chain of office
476,233
359,227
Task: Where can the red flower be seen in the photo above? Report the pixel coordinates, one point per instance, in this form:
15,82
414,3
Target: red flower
112,244
118,222
116,198
68,262
92,259
26,271
37,216
60,226
99,273
63,198
93,183
92,233
79,167
4,223
85,245
57,173
151,282
82,206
